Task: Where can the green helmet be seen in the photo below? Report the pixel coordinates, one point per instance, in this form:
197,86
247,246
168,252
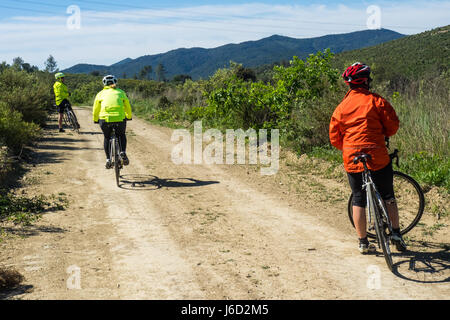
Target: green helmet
59,75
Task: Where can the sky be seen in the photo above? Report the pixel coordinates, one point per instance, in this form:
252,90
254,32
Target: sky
105,32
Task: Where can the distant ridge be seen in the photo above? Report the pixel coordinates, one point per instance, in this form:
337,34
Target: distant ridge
202,63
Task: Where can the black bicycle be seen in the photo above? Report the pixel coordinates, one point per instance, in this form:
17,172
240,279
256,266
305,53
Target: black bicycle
409,197
70,119
114,153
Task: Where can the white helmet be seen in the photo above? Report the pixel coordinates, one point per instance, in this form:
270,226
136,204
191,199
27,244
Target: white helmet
109,80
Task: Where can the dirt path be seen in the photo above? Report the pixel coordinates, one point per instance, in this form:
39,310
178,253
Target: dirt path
193,232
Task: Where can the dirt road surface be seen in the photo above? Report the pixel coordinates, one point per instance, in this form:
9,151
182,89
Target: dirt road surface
194,232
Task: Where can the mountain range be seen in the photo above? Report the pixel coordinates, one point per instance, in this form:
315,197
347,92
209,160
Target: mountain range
201,63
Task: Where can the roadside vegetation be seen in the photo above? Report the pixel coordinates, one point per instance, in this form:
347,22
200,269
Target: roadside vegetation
26,98
298,98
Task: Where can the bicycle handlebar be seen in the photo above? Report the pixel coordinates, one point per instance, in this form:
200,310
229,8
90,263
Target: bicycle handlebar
393,155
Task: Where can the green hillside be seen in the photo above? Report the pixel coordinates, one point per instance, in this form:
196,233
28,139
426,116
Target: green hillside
422,55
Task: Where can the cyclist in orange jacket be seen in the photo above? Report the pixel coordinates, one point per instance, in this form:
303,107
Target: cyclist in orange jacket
360,123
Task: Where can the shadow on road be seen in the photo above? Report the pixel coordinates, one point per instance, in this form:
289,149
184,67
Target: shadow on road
420,266
150,182
19,290
90,132
31,230
59,147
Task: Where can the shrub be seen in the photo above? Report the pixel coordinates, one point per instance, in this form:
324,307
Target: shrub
28,93
14,132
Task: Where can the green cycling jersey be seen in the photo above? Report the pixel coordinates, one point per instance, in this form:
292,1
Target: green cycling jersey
112,105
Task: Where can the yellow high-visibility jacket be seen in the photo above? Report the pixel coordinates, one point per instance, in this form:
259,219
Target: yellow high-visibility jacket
61,92
111,105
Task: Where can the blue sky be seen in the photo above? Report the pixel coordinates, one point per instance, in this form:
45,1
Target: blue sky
105,32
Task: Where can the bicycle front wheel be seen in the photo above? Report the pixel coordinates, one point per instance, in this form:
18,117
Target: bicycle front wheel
383,238
66,119
410,203
73,122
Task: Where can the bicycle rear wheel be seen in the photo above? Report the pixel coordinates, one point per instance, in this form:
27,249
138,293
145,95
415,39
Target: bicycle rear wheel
410,203
117,163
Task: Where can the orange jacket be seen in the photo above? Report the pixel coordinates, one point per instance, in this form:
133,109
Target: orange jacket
359,124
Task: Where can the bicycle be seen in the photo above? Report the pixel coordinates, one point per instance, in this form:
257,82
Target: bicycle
376,211
70,119
114,153
409,197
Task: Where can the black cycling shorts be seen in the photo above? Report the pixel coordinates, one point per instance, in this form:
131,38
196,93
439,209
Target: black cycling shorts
63,105
383,180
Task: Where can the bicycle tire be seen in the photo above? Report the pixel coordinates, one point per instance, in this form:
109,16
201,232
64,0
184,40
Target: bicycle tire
382,237
73,122
116,162
66,119
410,202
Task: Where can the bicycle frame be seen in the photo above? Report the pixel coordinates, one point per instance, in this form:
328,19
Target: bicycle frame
114,145
371,193
377,210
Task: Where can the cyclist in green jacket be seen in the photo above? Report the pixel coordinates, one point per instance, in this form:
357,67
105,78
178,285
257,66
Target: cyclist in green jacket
61,98
111,105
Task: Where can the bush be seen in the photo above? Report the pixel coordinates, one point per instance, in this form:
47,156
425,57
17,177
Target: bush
14,132
25,210
28,93
428,168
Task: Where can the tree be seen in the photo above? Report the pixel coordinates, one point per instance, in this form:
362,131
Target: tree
246,74
51,65
181,78
17,63
29,68
4,66
161,72
145,72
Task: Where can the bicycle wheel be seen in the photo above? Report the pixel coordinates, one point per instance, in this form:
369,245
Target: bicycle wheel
66,120
116,162
73,122
382,237
410,203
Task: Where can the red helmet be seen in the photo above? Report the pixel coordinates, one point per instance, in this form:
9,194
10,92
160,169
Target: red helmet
357,73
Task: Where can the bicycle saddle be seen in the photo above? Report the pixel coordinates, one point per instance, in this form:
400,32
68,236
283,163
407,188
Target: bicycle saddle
362,157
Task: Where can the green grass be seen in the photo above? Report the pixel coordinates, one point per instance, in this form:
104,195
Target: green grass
26,210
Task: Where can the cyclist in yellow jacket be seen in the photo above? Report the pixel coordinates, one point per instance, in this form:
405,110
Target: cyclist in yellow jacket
61,98
111,105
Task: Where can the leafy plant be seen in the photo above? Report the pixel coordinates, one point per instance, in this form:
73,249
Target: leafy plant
24,210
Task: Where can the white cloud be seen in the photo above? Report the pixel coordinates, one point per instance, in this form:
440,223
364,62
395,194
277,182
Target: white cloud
107,37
